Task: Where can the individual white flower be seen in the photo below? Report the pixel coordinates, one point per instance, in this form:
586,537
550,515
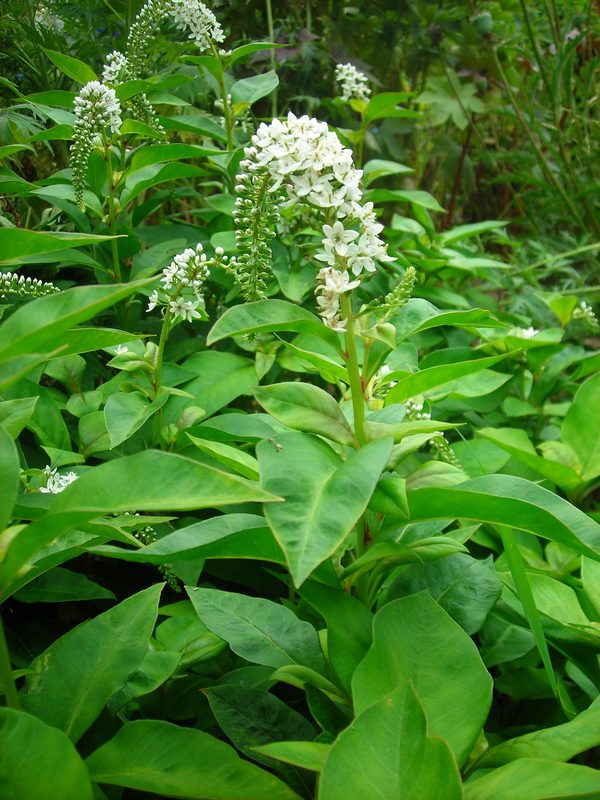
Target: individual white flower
524,333
353,83
153,301
121,350
184,309
56,483
338,238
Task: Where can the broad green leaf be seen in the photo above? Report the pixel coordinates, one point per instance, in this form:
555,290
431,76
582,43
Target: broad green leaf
308,755
514,502
126,412
465,587
535,779
249,90
269,315
385,105
72,67
227,536
171,761
324,496
234,458
74,678
415,197
434,377
414,640
15,414
306,408
248,49
62,585
517,443
251,717
17,243
9,477
161,153
460,232
378,168
349,626
420,315
150,480
581,427
38,761
386,555
40,325
386,753
258,630
559,743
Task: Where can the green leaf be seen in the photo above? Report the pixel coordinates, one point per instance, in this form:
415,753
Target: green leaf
384,106
250,717
72,67
234,458
434,377
305,407
378,168
38,761
536,779
167,760
15,414
126,412
517,443
258,630
559,743
415,197
62,585
415,640
248,49
39,326
161,153
465,587
514,502
269,315
460,232
17,243
9,477
150,480
581,427
386,753
249,90
349,624
308,755
74,678
324,496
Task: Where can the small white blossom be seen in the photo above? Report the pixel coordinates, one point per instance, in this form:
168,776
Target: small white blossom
121,350
353,83
184,309
56,483
116,68
198,20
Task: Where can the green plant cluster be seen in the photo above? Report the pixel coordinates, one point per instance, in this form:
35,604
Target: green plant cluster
299,393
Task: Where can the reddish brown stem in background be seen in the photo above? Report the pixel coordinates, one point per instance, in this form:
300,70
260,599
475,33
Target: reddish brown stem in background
458,177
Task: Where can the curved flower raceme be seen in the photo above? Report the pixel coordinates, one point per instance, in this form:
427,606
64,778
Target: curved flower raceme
97,110
353,83
302,157
182,283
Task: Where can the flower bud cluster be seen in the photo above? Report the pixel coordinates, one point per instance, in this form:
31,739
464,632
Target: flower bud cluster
585,314
11,283
443,451
182,283
414,411
147,535
96,110
400,295
46,18
255,216
353,83
117,70
56,483
302,155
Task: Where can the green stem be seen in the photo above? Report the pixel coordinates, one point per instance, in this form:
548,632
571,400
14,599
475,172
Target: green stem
273,61
585,249
112,215
164,335
356,387
225,100
6,677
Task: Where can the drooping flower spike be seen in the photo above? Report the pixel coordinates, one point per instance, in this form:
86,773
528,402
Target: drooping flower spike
353,83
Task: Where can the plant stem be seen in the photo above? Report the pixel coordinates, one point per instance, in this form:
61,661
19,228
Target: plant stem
356,387
112,216
6,678
225,100
458,177
273,61
164,335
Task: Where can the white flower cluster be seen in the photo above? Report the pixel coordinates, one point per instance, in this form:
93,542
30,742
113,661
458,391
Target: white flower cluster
414,411
198,20
331,285
46,18
311,162
116,68
97,106
182,283
353,83
585,313
524,333
55,483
